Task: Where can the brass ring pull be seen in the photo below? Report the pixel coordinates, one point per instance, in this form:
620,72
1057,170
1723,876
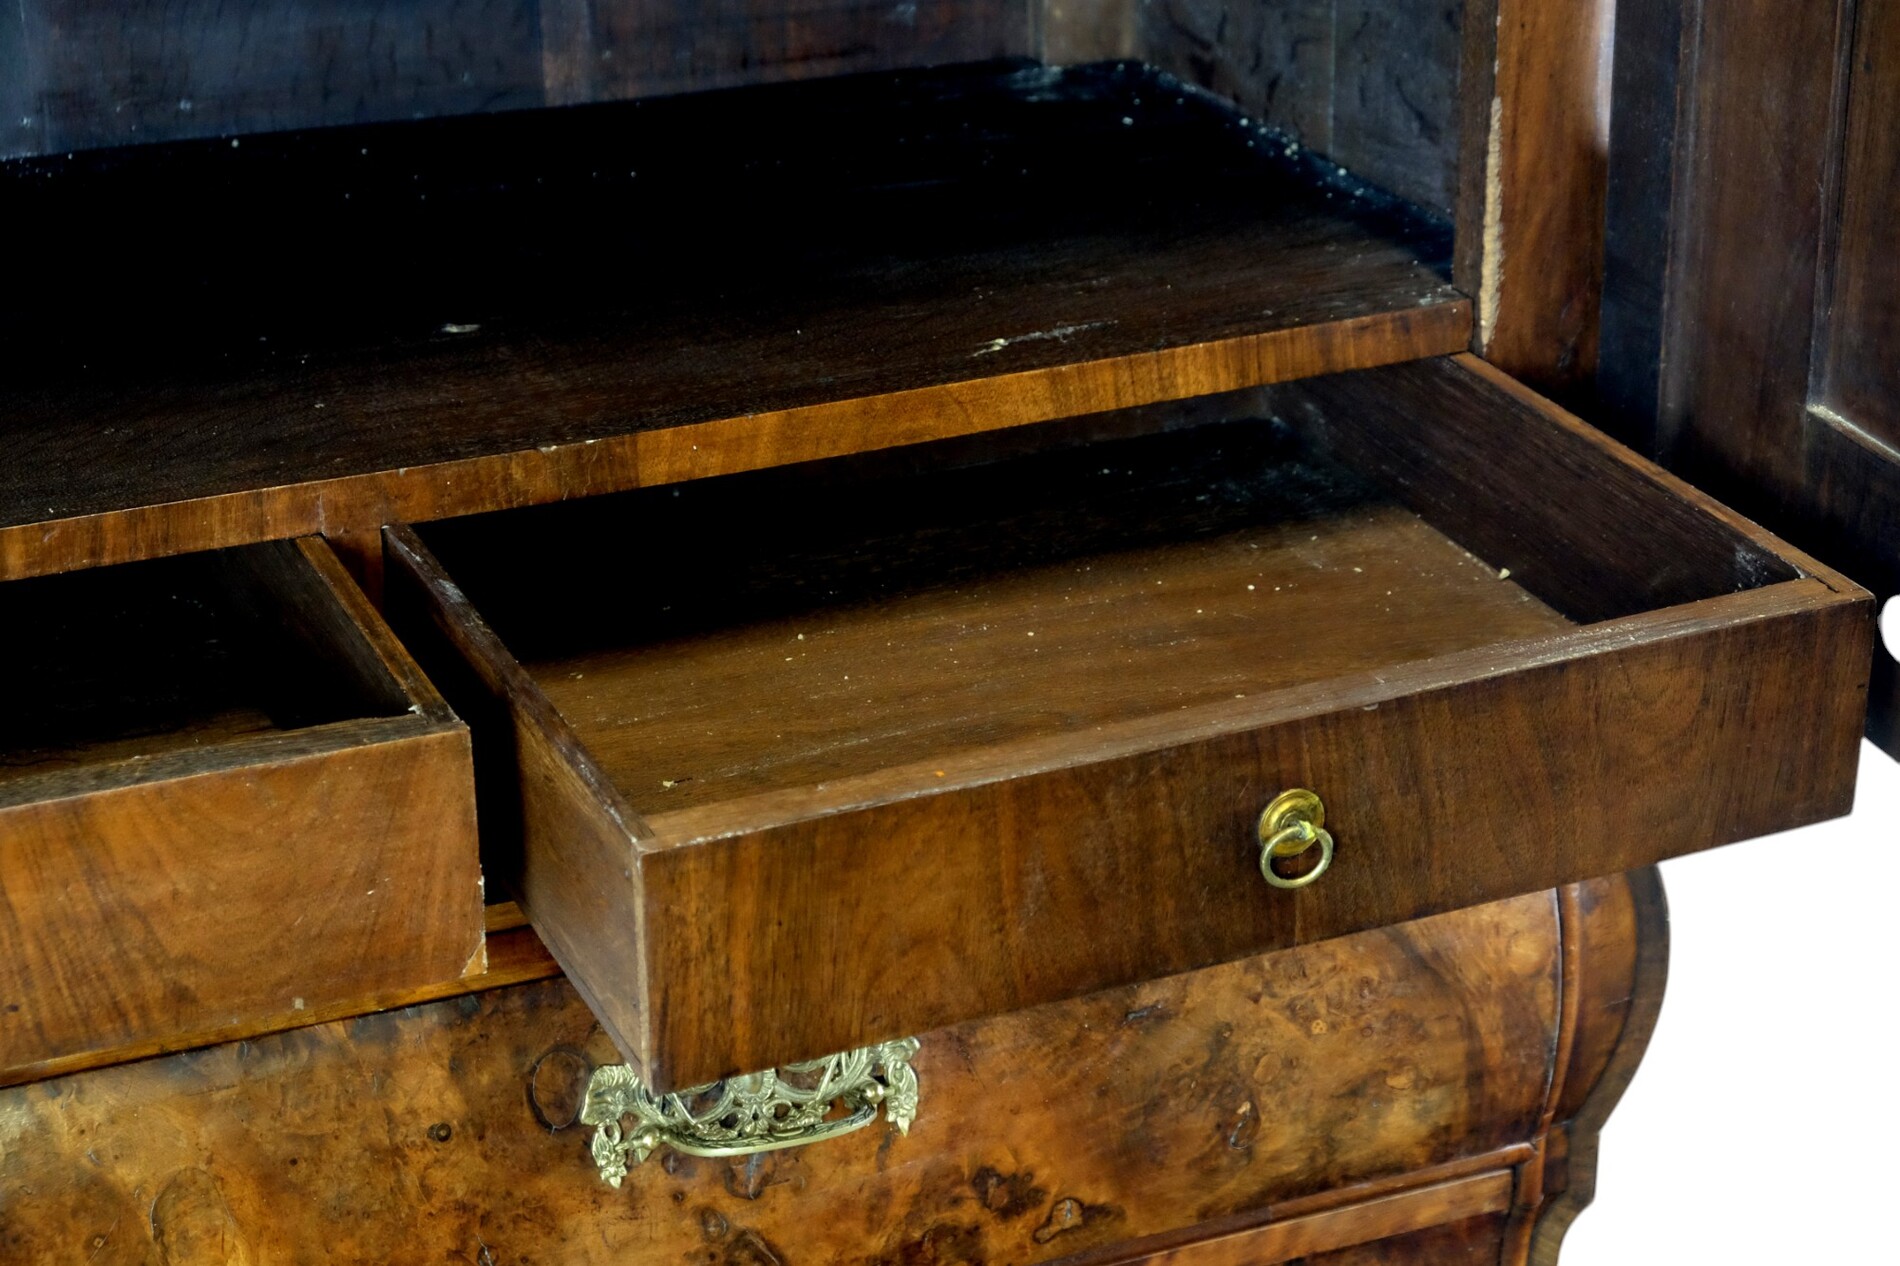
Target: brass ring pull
1292,824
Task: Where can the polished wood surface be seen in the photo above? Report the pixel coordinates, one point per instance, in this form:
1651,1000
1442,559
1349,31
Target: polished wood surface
1088,807
1745,320
154,887
1315,1237
1616,967
950,252
511,955
1244,1107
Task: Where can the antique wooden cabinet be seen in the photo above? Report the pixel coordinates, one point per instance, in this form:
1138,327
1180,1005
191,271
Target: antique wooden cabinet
946,632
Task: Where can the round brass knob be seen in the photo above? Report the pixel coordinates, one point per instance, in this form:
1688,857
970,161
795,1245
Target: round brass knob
1292,824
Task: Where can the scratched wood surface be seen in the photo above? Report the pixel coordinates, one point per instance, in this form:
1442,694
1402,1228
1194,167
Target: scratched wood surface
1364,1073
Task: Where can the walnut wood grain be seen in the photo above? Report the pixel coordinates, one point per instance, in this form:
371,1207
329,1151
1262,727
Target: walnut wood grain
1102,831
1267,1090
154,889
950,253
1316,1236
511,955
1533,158
1473,1242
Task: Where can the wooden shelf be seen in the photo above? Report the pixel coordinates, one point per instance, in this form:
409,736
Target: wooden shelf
223,341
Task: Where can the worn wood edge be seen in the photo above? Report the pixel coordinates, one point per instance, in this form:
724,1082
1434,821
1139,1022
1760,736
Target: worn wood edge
1528,1193
1029,756
491,659
1678,487
1529,192
402,668
635,459
515,956
310,743
1281,1234
1582,1131
594,794
1477,90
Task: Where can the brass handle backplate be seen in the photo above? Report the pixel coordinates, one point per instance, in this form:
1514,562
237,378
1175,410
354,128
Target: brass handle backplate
757,1112
1292,824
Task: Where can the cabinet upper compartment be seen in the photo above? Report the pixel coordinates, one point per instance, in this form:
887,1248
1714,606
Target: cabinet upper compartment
232,338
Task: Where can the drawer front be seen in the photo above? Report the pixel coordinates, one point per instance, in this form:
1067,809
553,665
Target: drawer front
1009,892
162,888
993,758
1372,1086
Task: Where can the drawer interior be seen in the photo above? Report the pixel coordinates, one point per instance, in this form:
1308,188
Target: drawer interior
791,628
177,653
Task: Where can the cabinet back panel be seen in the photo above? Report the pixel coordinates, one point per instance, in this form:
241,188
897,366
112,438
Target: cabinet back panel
84,74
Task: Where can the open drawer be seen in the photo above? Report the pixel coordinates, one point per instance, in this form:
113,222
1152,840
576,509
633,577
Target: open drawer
226,793
793,761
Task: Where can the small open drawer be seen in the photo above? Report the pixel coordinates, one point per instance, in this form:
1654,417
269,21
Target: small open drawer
793,761
226,793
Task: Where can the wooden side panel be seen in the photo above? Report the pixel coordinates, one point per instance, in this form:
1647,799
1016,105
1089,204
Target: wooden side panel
1535,121
1590,528
1371,1071
92,73
188,903
1474,1242
1860,356
1373,85
1745,336
1010,889
581,883
1853,459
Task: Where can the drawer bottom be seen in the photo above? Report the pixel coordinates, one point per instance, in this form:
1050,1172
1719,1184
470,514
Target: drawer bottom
1424,1093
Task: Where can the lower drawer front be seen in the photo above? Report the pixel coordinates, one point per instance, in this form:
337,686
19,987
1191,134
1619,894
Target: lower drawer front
1298,1103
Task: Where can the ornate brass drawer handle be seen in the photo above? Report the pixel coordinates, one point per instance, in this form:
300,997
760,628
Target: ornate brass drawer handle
756,1112
1292,824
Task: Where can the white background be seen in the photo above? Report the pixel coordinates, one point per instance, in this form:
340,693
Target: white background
1762,1125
